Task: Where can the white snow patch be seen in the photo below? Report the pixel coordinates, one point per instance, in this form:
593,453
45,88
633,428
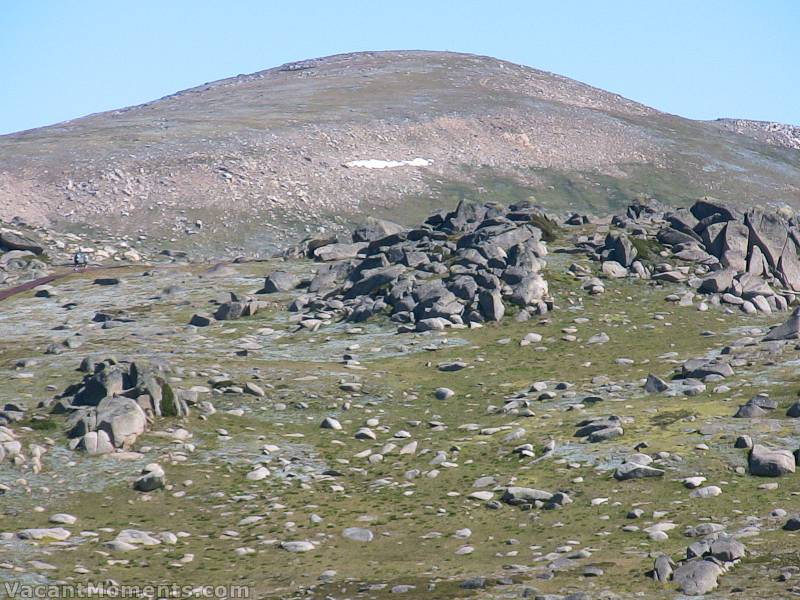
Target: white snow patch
374,163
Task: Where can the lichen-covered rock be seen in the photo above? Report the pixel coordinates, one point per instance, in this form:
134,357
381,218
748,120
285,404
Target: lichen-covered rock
122,419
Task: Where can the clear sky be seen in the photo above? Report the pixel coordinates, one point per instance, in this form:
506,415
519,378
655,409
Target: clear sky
61,59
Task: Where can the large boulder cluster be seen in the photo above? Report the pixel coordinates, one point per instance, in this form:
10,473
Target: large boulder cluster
115,403
706,560
747,259
459,268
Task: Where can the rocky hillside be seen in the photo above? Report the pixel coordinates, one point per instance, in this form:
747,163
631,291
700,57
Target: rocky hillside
249,161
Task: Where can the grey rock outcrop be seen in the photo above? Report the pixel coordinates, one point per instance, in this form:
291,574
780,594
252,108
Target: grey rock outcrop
752,256
469,265
116,401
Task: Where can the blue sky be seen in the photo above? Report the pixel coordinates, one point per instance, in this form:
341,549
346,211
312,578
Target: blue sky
61,59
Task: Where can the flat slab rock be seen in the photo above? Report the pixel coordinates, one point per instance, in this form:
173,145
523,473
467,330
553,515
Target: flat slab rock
633,470
698,368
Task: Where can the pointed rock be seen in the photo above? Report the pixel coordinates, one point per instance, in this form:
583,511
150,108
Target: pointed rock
789,330
655,385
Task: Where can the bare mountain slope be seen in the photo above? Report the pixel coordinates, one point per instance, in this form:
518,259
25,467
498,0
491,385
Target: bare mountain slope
257,157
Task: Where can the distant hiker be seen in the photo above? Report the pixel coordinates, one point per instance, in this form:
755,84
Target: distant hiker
80,260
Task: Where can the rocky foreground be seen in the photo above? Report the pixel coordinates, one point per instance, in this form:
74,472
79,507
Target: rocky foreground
494,404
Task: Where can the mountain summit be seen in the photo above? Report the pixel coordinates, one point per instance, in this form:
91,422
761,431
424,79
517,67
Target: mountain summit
252,160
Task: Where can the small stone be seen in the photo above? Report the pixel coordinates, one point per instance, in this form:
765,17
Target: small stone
63,519
151,479
200,320
444,393
693,482
54,533
655,385
254,390
330,423
710,491
793,524
301,546
258,474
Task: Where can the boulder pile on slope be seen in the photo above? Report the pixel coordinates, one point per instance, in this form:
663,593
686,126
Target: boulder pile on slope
115,403
707,559
748,259
459,268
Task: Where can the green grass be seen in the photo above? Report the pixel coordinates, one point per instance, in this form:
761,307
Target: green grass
550,229
41,424
402,390
647,249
